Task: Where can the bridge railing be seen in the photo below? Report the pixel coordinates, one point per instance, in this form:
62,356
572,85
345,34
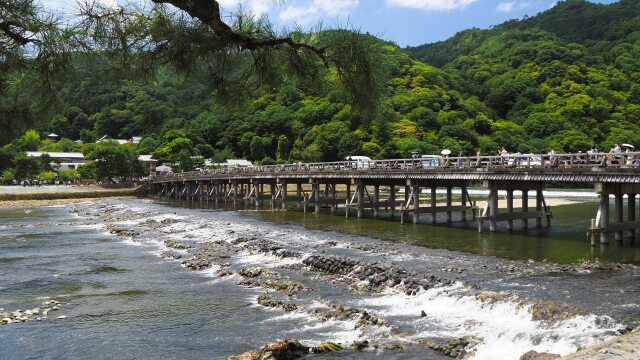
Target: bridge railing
577,161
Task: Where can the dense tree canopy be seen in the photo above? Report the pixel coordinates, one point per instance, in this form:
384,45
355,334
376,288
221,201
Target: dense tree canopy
523,85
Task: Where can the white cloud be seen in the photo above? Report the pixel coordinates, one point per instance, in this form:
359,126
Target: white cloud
506,6
434,5
312,11
258,7
512,6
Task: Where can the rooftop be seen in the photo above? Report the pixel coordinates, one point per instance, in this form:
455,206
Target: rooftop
239,162
146,158
55,155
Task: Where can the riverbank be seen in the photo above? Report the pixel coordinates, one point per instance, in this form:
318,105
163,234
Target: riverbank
65,192
625,347
18,204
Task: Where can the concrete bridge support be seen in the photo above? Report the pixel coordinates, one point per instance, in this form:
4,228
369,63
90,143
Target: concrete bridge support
602,225
414,206
493,215
392,200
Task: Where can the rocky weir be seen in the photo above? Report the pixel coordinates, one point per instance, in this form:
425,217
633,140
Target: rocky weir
392,297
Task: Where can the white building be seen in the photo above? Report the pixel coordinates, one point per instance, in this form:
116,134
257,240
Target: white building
63,160
135,140
238,163
149,162
163,169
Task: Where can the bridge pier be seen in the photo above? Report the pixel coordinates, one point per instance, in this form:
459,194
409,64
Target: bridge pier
618,215
416,203
376,200
360,197
433,201
392,200
449,204
525,207
234,191
602,226
493,208
510,208
491,211
413,202
283,194
631,215
464,195
316,195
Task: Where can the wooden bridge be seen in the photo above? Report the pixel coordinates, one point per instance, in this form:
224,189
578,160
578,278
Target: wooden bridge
399,187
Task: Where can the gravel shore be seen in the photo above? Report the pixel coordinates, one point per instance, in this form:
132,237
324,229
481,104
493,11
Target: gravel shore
625,347
53,192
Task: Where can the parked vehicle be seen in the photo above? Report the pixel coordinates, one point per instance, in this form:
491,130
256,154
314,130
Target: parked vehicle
524,159
360,161
431,161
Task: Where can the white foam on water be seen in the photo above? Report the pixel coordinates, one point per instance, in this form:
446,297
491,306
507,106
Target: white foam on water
287,316
91,226
161,217
210,272
157,253
346,335
264,260
631,305
130,241
507,330
515,284
232,278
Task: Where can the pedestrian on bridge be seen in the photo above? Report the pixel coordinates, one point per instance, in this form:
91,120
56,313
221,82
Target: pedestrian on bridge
504,154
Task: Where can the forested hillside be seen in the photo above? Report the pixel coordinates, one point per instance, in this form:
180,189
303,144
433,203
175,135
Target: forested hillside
566,79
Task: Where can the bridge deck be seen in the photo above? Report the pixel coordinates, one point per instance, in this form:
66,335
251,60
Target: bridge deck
624,168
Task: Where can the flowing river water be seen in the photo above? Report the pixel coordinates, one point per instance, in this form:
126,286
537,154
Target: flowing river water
122,272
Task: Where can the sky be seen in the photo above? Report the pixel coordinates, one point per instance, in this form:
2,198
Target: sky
405,22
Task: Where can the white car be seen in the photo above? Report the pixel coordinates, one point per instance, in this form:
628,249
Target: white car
362,162
525,160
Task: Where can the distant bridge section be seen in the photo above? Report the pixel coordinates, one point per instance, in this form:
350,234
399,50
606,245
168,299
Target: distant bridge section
409,187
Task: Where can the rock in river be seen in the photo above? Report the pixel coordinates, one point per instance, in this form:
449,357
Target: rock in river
281,350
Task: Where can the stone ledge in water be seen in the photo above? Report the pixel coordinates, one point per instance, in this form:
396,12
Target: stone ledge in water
456,348
178,245
122,231
200,261
292,349
342,313
267,301
20,316
288,287
376,275
625,347
281,350
254,272
534,355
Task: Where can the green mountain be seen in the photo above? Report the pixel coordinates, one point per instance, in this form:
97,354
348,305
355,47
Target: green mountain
576,21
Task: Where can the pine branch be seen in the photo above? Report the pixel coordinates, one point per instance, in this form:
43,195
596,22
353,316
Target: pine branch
7,27
208,11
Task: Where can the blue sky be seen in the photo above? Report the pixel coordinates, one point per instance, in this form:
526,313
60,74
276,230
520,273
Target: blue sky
406,22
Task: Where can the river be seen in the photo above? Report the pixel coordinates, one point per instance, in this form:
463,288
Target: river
117,269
